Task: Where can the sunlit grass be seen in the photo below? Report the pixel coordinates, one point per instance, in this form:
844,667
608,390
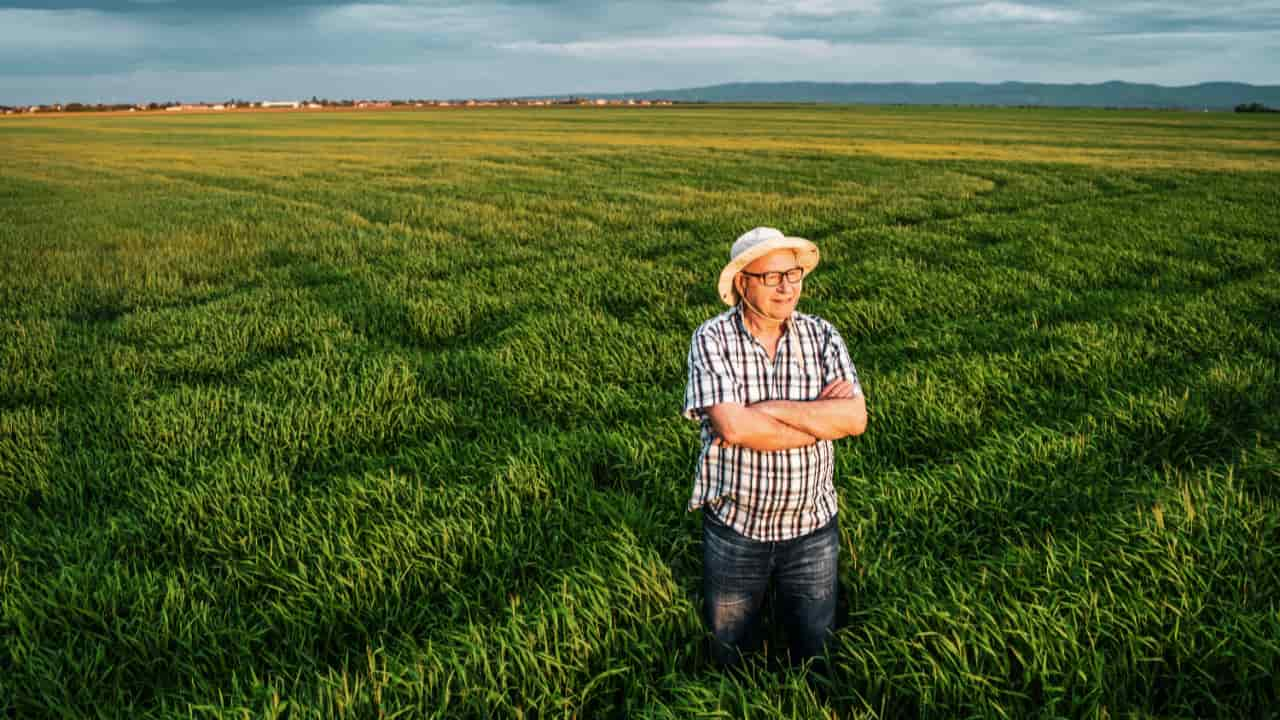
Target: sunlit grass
358,414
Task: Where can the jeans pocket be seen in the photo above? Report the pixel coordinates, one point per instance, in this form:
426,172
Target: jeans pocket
715,528
724,543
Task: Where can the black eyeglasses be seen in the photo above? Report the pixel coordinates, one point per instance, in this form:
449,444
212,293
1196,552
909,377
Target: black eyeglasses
774,278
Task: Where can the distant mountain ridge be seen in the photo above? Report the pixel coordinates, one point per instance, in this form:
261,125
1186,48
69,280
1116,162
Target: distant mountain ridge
1213,96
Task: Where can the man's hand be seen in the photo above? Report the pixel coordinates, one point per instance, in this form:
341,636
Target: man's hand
839,389
784,424
737,424
837,412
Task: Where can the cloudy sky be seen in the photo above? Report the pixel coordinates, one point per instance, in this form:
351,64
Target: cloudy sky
135,50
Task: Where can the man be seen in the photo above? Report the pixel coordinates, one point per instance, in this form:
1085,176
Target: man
772,388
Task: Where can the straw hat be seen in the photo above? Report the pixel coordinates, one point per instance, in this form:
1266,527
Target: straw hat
757,243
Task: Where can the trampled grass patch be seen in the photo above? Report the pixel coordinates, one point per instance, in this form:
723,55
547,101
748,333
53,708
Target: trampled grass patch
376,414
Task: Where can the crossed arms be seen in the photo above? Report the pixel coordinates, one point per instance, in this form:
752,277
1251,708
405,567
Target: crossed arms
786,424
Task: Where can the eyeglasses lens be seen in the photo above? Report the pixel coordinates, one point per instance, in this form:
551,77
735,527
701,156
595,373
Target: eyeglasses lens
793,276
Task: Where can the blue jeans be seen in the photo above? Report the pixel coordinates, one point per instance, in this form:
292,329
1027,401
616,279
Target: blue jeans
735,576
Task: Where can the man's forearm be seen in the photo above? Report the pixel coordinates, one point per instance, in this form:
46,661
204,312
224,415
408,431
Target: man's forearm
827,419
740,425
770,434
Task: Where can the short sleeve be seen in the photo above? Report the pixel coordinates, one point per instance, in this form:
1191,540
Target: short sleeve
711,381
836,364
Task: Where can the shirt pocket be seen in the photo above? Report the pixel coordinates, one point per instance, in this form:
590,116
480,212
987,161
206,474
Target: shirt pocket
756,380
803,379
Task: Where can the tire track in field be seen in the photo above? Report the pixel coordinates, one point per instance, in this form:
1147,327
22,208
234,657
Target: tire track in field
133,173
909,222
342,214
653,253
276,197
409,337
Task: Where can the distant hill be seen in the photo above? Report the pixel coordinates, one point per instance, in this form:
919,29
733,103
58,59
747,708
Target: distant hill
1214,96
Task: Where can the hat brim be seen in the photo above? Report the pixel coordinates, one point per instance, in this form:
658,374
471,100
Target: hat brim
806,254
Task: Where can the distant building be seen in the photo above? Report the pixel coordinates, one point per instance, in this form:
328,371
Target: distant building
281,104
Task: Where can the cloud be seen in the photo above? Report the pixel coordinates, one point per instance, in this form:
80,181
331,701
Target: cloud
25,31
187,7
400,19
1007,12
665,46
769,10
495,47
48,41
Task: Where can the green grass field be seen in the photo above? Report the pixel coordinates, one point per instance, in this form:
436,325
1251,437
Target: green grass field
377,414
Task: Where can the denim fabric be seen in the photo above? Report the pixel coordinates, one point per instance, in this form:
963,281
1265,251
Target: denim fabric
735,576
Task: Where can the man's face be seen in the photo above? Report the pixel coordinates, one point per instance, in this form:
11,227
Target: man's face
779,300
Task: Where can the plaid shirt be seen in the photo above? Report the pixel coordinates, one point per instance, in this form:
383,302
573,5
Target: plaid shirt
766,496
